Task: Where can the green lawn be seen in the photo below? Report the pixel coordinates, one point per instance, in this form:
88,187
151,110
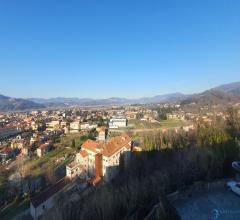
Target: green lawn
134,124
55,159
169,123
66,141
38,166
172,123
138,124
3,179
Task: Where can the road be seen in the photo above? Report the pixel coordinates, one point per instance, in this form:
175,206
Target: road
221,204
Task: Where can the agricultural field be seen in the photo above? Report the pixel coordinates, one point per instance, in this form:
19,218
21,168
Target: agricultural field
138,124
169,123
172,123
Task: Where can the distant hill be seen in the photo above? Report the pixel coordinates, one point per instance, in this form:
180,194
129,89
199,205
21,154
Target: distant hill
172,97
15,104
59,100
110,101
230,88
227,93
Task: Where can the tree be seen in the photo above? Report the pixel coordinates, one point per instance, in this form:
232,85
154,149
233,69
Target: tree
73,143
100,121
92,134
139,115
162,113
234,123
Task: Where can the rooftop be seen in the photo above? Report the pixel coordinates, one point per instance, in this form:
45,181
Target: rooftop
109,147
49,192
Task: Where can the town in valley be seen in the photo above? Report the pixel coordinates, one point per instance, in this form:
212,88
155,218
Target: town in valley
70,150
120,110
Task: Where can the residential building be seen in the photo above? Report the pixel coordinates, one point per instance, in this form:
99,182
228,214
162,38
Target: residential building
43,149
75,126
87,126
8,132
102,133
51,126
25,151
6,153
41,203
118,122
100,158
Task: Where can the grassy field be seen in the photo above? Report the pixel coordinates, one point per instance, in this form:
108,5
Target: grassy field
172,123
3,178
169,123
137,124
66,141
55,160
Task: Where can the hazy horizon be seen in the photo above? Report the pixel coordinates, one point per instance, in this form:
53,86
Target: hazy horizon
137,97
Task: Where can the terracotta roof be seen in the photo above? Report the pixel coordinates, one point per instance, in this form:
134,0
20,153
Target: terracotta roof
90,145
115,144
126,137
108,148
49,192
83,153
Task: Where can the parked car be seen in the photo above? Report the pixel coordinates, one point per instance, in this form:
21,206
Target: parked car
236,165
234,186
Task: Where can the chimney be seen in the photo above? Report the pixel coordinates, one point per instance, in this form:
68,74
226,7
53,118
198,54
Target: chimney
98,165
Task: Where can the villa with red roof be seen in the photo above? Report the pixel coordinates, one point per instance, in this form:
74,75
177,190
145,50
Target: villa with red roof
99,158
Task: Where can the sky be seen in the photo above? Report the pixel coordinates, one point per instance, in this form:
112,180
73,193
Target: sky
117,48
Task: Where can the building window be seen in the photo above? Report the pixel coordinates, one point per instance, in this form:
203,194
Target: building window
43,207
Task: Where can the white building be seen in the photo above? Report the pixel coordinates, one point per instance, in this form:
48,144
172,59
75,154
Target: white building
43,149
118,122
100,159
75,126
51,126
41,203
102,133
79,166
87,126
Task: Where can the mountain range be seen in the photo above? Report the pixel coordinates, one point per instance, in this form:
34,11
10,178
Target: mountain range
221,94
227,93
109,101
16,104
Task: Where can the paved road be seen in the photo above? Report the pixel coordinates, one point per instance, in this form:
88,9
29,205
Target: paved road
217,205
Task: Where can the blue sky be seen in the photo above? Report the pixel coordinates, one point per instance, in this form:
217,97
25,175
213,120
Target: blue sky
124,48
